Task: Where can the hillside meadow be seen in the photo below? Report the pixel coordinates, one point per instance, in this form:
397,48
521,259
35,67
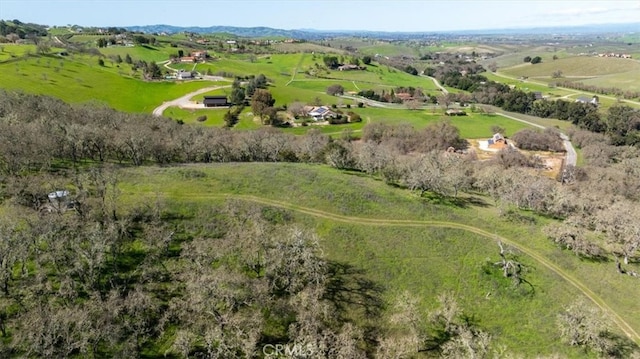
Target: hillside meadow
581,68
78,79
354,216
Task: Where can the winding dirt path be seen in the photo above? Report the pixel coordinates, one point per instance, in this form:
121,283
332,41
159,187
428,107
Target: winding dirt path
620,322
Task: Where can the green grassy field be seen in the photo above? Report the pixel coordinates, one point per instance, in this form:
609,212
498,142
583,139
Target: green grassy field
13,52
580,66
474,125
552,92
215,117
148,53
80,79
418,258
626,80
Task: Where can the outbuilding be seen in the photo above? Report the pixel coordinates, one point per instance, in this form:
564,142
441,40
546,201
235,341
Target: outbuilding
215,101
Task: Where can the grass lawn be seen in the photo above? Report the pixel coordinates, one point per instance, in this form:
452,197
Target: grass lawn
215,117
421,259
474,125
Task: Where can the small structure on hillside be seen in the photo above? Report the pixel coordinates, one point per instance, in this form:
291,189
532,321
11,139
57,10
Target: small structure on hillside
497,141
455,112
584,99
215,101
58,201
349,67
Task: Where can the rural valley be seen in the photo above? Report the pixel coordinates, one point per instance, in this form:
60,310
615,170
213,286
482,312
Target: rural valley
253,192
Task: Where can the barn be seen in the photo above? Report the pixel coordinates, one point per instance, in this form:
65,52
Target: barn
215,101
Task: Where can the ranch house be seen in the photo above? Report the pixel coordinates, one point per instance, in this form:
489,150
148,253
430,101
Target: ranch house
321,113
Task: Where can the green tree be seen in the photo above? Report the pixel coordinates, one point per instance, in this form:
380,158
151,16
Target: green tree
261,101
334,90
331,61
153,71
527,59
536,60
411,70
101,62
237,95
128,59
366,59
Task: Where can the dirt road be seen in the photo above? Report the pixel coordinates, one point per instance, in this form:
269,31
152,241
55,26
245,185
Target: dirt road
584,289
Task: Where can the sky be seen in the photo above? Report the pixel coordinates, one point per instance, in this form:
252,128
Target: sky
378,15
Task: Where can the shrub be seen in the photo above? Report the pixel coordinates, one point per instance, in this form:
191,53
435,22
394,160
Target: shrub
334,90
354,117
339,119
547,140
201,118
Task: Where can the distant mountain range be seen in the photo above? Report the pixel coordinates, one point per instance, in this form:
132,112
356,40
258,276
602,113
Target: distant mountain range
311,34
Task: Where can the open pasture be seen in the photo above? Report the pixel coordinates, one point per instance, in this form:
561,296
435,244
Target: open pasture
81,79
354,216
474,125
582,66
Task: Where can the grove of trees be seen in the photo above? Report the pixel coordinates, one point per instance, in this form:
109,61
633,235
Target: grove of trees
104,281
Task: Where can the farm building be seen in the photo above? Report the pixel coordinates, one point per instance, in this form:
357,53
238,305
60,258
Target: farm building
321,113
215,101
183,75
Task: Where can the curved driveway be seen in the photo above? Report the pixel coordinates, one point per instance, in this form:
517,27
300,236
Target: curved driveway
185,101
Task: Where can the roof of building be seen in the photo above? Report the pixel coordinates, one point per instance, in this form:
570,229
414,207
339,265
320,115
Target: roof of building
215,100
58,194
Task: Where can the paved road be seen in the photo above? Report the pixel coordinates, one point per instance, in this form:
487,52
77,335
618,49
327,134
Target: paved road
571,157
185,101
